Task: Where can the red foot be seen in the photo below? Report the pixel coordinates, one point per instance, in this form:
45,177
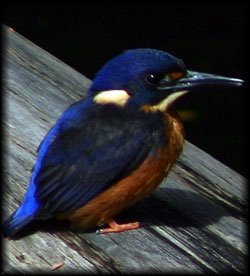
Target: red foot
115,227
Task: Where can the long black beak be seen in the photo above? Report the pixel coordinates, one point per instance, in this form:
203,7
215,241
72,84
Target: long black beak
193,79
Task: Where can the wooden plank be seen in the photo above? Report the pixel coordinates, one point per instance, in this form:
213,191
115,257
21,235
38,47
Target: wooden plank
194,222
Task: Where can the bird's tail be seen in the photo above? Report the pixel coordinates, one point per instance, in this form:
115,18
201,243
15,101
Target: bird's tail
14,224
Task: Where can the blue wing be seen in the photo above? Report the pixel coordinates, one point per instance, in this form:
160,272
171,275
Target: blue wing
90,148
85,153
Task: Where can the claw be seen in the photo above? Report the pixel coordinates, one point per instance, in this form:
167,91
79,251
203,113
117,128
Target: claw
115,227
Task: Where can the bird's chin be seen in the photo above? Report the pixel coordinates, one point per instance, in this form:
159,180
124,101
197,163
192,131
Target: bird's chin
165,104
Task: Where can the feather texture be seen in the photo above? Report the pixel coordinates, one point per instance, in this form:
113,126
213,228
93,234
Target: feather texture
74,170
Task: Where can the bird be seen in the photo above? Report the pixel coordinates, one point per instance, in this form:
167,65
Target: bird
114,147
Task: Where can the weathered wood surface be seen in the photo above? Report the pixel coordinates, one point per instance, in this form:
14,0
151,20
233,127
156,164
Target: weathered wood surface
194,222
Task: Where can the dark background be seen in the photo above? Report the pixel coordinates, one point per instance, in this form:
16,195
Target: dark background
209,38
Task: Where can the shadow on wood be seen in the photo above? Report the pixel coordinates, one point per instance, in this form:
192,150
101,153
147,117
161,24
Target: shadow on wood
151,211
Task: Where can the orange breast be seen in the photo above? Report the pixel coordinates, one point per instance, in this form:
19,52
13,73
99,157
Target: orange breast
132,188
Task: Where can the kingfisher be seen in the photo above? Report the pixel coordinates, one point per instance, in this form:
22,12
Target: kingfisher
113,148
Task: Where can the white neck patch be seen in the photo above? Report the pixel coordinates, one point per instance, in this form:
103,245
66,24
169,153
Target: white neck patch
121,97
117,97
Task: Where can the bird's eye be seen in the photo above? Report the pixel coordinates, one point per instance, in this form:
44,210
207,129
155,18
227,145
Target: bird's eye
153,79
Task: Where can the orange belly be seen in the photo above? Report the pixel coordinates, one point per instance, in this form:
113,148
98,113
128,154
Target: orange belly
129,190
